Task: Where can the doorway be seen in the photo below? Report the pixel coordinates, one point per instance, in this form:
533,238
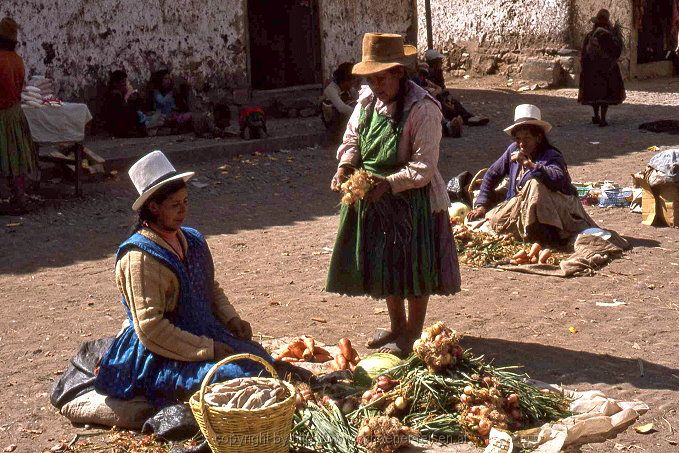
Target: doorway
654,36
285,43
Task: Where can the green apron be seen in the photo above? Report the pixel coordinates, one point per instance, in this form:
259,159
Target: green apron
384,248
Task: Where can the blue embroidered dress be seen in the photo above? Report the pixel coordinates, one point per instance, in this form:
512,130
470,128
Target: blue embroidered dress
129,369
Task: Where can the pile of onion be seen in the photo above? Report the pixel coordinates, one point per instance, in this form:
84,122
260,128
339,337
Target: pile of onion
438,347
483,407
384,434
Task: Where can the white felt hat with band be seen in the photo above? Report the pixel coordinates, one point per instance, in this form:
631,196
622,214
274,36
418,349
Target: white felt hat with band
528,114
152,172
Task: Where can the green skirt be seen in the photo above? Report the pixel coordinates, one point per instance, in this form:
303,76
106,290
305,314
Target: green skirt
17,150
386,248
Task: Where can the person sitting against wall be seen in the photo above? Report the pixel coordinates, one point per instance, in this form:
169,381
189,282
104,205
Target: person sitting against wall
451,107
541,203
169,102
338,100
122,107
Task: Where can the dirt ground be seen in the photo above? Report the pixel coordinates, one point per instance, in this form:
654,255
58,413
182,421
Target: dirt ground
270,221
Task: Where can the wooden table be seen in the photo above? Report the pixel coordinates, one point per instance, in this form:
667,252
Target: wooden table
58,125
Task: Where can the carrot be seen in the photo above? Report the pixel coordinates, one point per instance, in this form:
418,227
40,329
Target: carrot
342,362
544,255
520,254
294,349
322,358
308,353
289,359
334,365
354,359
319,350
534,250
534,259
345,347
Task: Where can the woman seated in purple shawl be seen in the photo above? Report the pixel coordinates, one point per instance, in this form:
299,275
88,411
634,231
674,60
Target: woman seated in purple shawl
541,204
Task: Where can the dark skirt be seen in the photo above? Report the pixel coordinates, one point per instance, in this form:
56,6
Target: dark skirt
601,83
394,247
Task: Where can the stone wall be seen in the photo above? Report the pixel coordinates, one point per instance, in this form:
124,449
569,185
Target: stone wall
621,11
343,24
78,42
496,36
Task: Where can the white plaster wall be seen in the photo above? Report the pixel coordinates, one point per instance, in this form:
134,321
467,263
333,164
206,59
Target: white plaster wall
343,24
79,41
501,24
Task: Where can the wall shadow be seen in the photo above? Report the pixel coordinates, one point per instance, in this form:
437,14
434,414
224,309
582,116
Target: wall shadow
282,188
568,367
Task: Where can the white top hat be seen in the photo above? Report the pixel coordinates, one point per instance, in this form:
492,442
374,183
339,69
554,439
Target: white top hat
152,172
528,114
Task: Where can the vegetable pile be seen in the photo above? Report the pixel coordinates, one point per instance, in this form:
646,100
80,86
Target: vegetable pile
439,393
438,347
356,186
479,249
304,349
247,393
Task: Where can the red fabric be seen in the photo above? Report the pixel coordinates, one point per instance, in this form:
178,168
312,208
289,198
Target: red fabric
12,75
246,111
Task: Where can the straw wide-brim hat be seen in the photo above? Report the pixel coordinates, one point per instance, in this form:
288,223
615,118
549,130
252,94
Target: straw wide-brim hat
525,114
382,51
152,172
9,29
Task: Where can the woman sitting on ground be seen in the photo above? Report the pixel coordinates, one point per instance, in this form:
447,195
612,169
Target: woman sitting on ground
170,102
122,108
179,321
541,203
339,99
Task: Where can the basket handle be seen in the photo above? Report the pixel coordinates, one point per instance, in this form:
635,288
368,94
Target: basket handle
210,374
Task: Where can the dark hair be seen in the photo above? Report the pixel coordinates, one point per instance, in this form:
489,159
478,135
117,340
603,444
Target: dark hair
535,131
7,44
162,194
343,73
156,82
116,77
400,99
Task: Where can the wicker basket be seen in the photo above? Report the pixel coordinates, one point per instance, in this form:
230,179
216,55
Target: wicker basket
265,430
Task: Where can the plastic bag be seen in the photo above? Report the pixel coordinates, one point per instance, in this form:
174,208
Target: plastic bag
666,164
457,188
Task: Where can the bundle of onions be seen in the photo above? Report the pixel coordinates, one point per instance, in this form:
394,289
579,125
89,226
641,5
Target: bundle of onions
438,347
355,188
384,434
482,407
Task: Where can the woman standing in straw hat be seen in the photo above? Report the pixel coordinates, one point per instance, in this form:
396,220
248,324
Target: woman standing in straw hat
601,83
17,150
541,203
179,321
396,243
